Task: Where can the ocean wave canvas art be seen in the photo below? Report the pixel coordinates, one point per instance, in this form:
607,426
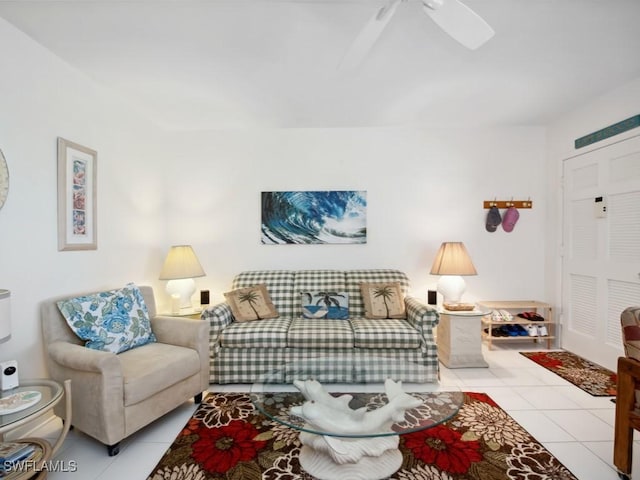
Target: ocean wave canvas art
314,217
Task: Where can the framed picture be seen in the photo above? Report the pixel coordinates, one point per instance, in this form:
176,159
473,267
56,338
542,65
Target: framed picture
77,168
314,217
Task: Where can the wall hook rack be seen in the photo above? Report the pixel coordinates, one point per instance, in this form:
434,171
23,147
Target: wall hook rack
508,203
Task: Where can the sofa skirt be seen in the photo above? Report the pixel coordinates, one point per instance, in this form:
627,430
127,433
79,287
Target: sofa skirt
355,365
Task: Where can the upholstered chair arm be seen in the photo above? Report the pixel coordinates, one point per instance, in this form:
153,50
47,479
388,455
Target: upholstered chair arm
421,316
83,359
98,388
185,332
189,333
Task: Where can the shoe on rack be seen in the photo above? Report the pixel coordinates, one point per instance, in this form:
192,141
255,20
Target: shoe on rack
531,316
495,316
498,332
506,316
521,330
511,330
532,330
542,331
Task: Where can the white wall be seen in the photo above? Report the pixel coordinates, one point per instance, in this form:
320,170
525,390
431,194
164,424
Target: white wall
608,109
41,99
203,188
423,187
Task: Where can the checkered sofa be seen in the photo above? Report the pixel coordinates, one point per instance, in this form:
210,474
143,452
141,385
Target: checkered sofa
337,351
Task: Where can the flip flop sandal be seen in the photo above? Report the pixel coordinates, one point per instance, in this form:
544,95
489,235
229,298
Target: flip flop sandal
531,316
506,316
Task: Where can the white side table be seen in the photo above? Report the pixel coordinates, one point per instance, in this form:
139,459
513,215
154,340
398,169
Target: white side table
460,340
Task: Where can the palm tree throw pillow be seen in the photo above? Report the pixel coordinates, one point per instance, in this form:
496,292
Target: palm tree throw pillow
325,304
251,303
383,300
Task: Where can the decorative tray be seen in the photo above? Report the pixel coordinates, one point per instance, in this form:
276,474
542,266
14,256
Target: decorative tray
459,307
19,401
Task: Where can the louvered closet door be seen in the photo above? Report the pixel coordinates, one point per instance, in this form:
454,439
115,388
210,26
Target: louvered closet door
601,256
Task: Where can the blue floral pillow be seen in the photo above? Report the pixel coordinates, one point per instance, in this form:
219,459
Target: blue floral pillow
113,321
332,305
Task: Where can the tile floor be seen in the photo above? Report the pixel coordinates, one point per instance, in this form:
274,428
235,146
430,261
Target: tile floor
576,427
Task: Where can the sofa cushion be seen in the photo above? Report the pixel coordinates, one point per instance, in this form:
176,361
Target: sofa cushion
317,281
279,285
251,303
271,332
323,366
325,304
113,321
383,300
320,333
356,277
152,368
384,333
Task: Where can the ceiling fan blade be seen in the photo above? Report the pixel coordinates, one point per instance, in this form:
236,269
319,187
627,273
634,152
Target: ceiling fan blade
368,36
459,21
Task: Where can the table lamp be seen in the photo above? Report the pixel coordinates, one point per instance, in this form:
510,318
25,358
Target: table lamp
5,315
450,263
180,267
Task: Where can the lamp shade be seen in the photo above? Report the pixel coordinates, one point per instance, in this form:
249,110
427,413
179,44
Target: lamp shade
453,259
5,315
181,262
180,267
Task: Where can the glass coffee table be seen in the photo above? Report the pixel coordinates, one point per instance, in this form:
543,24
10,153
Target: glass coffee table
353,430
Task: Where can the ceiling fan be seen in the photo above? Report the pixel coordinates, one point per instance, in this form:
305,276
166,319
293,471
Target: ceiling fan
453,16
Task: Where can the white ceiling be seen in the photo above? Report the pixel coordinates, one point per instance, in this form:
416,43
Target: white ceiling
273,63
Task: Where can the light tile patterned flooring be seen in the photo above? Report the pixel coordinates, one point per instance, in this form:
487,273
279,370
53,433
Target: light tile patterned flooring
576,427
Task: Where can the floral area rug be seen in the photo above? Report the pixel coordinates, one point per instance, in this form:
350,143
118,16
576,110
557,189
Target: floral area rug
228,439
592,378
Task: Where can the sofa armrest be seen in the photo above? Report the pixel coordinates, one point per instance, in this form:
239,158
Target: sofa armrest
83,359
218,317
421,316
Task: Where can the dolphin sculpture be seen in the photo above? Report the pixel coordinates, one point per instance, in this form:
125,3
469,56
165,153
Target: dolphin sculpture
333,414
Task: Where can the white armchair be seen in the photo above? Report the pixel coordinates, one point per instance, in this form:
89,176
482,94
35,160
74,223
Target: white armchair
114,395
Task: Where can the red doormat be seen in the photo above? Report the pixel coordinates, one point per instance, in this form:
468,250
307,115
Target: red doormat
228,439
593,379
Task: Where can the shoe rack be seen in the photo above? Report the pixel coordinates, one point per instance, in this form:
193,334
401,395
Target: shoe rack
515,307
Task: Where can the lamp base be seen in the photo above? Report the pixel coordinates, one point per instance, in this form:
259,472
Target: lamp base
451,287
185,288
